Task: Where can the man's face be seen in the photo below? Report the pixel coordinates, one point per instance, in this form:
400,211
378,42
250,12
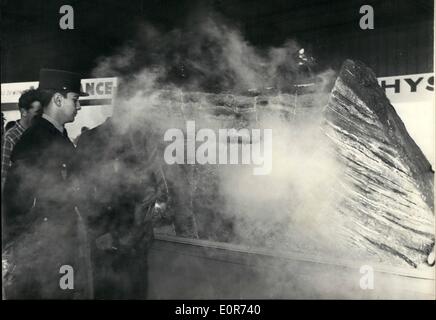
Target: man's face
35,110
70,106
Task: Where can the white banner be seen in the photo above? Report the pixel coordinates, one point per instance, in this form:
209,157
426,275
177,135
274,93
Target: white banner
97,88
409,88
11,92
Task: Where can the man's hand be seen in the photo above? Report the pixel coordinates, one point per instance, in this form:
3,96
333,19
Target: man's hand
105,242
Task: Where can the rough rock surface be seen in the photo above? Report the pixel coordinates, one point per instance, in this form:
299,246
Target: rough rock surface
388,185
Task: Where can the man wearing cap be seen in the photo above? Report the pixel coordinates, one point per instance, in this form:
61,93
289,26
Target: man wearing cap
40,221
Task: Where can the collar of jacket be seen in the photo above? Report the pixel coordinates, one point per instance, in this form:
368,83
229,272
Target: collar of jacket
53,122
50,126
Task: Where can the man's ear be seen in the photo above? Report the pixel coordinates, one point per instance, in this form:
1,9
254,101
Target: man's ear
23,112
57,99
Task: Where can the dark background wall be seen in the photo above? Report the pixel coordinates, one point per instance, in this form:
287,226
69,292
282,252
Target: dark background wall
401,43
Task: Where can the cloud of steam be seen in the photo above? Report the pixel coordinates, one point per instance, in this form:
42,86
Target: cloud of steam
207,56
293,207
292,204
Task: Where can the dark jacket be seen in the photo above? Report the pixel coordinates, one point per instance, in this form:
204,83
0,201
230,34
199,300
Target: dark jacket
123,174
121,179
40,221
118,190
115,182
39,177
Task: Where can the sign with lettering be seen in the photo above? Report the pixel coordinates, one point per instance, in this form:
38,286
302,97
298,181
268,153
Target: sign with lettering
409,88
100,91
100,88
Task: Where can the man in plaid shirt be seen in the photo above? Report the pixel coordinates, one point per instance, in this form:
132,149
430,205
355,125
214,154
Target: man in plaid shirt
30,107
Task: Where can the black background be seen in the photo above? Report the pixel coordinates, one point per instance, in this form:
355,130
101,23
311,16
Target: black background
401,43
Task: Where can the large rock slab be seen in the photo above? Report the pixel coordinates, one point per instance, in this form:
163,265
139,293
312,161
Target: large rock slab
387,187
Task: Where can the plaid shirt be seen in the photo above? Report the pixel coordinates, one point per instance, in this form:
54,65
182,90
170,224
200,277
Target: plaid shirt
9,141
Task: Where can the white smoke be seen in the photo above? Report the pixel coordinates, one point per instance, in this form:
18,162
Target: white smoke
292,204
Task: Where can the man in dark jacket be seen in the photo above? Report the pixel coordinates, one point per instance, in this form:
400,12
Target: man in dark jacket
123,184
112,186
40,221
